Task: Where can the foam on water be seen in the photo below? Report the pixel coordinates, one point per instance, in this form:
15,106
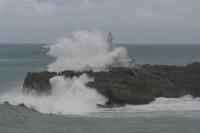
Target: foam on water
75,99
69,96
186,103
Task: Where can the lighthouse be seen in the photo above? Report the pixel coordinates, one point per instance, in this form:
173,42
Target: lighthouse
117,61
110,40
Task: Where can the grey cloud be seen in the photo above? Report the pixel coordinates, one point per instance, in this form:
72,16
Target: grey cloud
131,21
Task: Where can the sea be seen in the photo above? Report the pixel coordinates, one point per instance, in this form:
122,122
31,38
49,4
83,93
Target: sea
164,115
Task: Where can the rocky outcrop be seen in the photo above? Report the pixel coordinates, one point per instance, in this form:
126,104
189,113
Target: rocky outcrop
138,85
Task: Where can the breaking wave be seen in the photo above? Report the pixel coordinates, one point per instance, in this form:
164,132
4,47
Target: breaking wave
66,104
85,50
69,96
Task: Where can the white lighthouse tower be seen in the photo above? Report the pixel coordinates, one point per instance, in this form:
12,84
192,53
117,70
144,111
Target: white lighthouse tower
110,41
117,61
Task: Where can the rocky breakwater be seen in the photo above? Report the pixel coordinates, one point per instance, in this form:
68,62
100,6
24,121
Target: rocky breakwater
138,85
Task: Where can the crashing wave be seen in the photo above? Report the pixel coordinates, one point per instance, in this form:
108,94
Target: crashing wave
69,96
86,50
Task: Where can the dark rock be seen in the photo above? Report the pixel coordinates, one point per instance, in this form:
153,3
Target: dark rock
38,82
139,85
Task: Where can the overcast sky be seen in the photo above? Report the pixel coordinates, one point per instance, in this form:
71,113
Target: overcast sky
130,21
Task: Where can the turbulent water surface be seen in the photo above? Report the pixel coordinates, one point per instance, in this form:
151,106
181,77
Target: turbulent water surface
58,114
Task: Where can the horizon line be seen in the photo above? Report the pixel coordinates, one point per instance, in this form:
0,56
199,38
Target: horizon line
42,43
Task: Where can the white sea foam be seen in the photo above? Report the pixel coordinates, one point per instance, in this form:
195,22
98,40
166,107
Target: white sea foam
69,96
85,50
82,101
162,104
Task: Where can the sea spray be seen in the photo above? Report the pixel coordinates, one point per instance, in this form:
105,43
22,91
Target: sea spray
69,96
85,50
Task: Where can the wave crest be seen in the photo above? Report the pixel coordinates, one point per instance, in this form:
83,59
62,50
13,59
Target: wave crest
84,50
69,96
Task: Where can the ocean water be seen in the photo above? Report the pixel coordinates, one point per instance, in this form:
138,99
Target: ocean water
163,115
